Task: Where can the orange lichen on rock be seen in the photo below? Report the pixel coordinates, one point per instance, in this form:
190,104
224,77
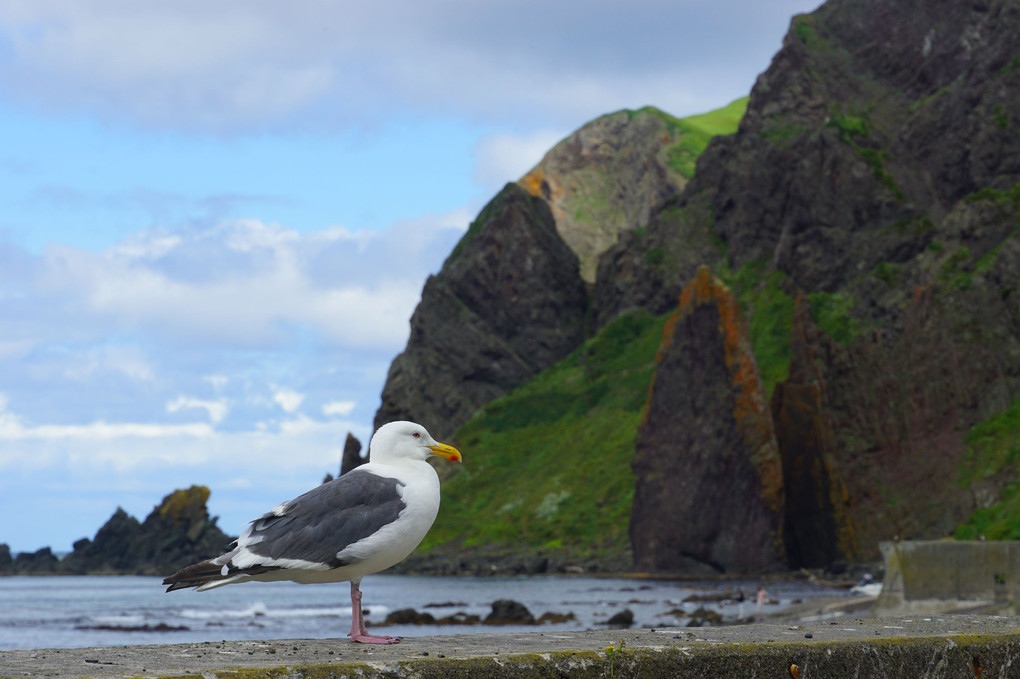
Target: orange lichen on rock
706,417
751,409
180,505
532,182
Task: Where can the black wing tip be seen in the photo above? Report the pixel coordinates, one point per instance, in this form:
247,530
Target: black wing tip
209,571
194,575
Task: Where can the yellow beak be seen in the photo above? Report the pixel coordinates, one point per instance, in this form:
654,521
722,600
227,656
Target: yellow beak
448,452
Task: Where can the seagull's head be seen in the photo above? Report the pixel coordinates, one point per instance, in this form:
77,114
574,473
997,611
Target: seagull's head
407,441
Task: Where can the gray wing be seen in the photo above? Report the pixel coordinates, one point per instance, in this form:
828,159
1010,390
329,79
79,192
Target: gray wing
322,522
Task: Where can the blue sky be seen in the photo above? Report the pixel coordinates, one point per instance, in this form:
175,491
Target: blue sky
217,217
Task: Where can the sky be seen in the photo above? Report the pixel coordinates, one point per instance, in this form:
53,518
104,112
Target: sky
216,218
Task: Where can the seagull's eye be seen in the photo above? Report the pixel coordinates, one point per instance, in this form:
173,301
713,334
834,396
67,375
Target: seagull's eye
417,435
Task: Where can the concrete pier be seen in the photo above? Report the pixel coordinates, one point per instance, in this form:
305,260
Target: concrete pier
832,645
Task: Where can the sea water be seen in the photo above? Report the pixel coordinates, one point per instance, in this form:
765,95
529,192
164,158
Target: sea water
82,611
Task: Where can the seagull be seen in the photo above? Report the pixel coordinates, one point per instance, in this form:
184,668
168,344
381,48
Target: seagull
363,522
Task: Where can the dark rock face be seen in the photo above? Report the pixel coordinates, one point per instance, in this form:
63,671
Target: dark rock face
649,267
42,561
874,116
111,551
708,492
877,167
352,455
819,529
508,303
176,534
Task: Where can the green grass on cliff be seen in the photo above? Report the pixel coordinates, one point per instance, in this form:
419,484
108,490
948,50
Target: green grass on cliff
548,465
994,448
768,313
694,132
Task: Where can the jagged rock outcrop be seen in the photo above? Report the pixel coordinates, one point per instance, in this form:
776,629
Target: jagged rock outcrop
177,533
112,549
352,455
508,303
605,179
39,562
709,480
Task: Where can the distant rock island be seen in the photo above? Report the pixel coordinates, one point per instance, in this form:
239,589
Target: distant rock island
179,531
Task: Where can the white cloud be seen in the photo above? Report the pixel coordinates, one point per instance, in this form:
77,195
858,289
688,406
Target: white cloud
502,158
288,399
246,283
217,410
259,63
13,429
340,408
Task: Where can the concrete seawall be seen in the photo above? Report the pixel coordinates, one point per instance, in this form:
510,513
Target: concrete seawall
831,646
933,576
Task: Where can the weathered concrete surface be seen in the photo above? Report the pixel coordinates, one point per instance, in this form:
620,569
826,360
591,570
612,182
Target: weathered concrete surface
831,647
932,576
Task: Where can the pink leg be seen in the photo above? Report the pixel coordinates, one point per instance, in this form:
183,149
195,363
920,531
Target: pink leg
358,631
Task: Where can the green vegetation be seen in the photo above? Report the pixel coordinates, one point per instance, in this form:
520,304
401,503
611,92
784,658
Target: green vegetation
548,465
994,448
1002,199
918,225
887,272
833,313
484,216
849,126
958,270
655,256
1000,117
692,134
1011,66
768,311
780,133
953,271
591,203
803,29
854,129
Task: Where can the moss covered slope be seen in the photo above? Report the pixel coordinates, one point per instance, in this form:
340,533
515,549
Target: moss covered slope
548,465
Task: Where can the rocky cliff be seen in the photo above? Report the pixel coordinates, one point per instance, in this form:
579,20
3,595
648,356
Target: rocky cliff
508,303
512,298
865,218
875,176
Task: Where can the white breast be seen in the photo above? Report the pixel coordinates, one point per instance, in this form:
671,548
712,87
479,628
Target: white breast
394,542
